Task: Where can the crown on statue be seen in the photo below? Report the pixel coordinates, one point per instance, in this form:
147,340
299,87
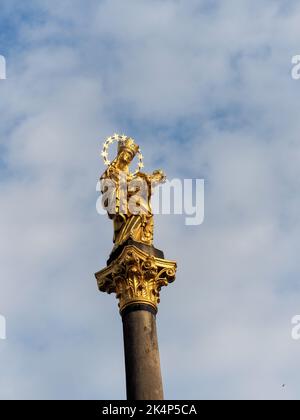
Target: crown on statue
124,143
129,145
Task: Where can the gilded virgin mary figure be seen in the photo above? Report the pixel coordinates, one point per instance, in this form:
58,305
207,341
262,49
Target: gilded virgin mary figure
127,196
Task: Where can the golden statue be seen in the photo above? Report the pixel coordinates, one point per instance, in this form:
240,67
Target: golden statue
127,196
136,271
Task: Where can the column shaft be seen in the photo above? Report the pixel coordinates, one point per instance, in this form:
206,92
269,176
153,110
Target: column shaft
143,375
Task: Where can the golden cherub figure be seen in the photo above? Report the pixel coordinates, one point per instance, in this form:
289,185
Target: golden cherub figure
126,195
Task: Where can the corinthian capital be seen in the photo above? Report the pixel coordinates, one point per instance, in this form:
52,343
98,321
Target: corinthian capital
136,277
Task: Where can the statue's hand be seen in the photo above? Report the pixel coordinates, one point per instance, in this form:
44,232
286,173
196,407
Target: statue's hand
158,177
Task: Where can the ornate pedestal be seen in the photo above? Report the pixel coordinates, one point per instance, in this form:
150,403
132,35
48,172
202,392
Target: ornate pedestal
136,277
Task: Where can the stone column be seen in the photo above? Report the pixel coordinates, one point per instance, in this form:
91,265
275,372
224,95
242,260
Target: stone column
143,375
136,277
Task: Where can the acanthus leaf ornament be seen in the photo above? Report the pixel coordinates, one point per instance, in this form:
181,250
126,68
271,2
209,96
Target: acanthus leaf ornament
136,277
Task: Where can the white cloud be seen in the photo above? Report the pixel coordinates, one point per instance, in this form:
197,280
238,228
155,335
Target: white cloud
207,92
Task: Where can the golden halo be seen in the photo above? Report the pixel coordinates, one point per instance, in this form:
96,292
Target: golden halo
117,137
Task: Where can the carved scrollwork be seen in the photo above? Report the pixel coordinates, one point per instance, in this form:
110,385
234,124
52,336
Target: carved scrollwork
136,277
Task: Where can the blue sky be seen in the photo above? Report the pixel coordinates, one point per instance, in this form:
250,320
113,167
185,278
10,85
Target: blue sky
205,87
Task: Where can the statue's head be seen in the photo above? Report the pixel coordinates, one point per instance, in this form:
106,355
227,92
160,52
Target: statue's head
127,149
